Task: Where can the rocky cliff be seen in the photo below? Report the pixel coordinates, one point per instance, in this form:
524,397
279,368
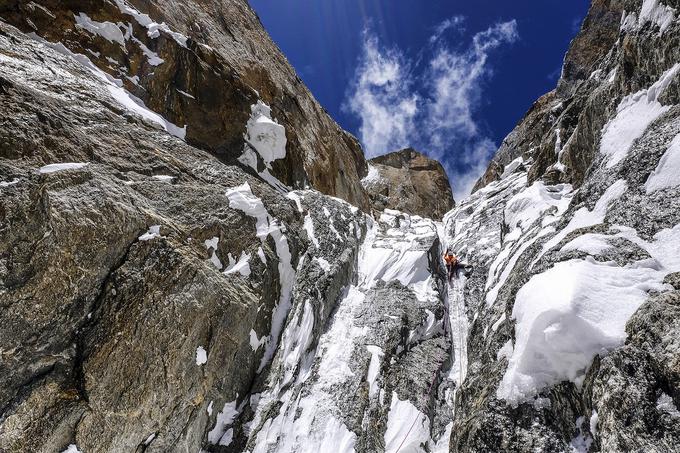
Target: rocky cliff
201,65
575,231
163,287
409,181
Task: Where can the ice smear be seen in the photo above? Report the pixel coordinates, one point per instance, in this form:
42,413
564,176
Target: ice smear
242,198
53,168
407,427
667,172
107,30
633,116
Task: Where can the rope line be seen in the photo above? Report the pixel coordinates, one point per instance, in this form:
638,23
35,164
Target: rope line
460,364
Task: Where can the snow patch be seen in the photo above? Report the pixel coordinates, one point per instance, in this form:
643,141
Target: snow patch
593,423
667,172
255,342
665,404
265,135
592,243
511,167
498,322
372,177
242,198
373,369
224,419
114,86
582,442
261,255
583,217
323,264
407,427
185,94
149,439
72,448
9,183
567,315
107,30
53,168
309,227
654,11
153,28
151,56
211,246
201,356
505,352
634,114
242,266
153,232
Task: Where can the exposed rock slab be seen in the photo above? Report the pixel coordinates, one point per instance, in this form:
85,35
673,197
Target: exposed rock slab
409,181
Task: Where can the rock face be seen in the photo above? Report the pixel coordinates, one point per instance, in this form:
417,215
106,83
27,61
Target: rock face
575,233
159,298
163,289
409,181
201,65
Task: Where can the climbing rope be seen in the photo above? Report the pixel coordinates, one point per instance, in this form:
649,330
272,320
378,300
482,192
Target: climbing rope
436,373
460,335
427,397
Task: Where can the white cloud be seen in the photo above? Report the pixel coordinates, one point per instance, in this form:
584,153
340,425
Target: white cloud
434,111
454,22
382,97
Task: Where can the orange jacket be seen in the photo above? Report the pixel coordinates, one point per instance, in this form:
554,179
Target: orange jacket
450,259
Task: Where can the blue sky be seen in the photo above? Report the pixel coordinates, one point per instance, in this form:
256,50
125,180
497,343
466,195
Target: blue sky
450,78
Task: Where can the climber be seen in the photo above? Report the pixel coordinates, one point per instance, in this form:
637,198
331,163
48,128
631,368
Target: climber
454,265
